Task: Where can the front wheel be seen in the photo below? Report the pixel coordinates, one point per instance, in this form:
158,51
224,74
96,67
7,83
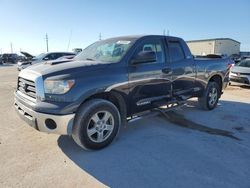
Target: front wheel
96,124
210,97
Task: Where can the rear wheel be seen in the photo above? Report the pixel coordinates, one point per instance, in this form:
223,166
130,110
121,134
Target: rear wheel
96,124
210,97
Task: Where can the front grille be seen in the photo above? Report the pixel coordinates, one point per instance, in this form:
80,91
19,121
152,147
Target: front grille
27,87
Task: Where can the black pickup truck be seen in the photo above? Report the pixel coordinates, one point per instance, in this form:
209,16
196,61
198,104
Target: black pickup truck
112,80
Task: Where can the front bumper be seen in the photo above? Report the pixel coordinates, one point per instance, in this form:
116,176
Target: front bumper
38,120
244,79
21,66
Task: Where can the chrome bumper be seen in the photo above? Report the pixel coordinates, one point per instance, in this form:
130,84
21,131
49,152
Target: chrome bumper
37,120
244,79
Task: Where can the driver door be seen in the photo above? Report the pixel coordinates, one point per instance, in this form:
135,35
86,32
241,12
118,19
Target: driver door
149,78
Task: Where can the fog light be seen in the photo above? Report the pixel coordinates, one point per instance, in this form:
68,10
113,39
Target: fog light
50,124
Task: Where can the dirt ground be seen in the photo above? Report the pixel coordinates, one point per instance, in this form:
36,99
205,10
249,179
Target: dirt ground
150,152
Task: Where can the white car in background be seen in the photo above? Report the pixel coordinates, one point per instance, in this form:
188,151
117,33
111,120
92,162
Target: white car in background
240,72
41,58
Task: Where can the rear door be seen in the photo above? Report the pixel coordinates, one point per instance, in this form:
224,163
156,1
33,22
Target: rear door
182,67
149,81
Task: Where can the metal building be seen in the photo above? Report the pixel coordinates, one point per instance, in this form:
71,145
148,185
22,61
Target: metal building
219,46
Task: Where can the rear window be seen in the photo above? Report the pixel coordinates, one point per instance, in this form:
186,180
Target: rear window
175,51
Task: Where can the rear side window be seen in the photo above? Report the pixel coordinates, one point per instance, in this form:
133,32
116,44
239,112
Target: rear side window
175,51
57,55
54,56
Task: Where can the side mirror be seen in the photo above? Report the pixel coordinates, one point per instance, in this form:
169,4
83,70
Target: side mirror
144,57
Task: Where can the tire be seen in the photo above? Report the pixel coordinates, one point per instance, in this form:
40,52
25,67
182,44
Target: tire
96,124
210,97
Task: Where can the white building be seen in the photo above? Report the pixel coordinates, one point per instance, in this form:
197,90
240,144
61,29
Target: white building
219,46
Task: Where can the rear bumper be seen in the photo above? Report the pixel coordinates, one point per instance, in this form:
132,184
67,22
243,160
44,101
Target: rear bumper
39,121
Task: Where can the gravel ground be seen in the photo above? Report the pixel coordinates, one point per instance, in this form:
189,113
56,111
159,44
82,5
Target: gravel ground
148,152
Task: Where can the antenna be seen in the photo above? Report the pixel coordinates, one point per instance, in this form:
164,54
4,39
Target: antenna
47,42
168,33
69,39
164,32
100,36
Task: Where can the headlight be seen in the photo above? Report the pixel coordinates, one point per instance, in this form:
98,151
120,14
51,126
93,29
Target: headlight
58,86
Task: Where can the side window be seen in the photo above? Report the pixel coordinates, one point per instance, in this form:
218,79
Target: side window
66,54
175,51
49,57
52,56
155,46
57,55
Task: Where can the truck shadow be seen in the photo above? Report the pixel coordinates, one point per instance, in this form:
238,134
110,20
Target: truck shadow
181,120
155,153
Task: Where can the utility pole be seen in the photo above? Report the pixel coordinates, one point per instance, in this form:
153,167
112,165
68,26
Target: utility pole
47,42
11,48
164,32
100,36
69,40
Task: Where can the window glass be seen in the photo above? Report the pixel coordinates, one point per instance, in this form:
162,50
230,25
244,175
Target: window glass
155,46
105,51
175,51
245,63
50,56
57,55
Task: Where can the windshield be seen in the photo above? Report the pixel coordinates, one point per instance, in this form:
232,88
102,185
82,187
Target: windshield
107,51
245,63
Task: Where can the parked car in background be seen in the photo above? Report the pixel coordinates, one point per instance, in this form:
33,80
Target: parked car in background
1,59
67,57
27,56
9,58
77,50
41,58
241,72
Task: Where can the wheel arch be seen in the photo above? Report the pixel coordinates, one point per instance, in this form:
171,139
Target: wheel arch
116,98
218,79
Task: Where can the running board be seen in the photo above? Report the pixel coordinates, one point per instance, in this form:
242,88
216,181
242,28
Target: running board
152,99
157,111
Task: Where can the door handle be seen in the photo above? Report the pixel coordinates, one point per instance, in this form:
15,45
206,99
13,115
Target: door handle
167,70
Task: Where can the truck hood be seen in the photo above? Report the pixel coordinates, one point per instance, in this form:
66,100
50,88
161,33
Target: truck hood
63,67
239,69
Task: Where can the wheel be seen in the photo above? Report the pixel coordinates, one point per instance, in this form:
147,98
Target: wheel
96,124
210,97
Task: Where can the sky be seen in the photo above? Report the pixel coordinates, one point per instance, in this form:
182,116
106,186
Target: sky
78,23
